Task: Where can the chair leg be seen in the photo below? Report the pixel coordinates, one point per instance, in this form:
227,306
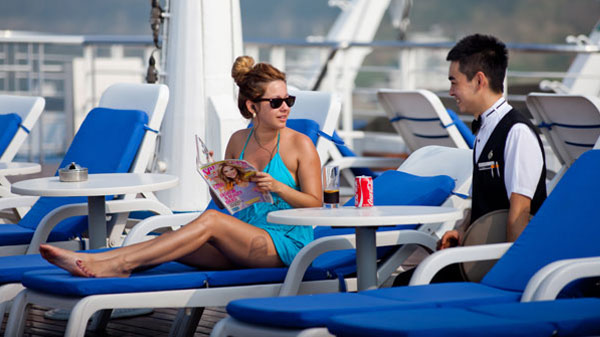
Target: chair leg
100,320
185,322
18,314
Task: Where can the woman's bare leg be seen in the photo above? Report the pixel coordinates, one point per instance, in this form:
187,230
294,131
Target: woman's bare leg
242,244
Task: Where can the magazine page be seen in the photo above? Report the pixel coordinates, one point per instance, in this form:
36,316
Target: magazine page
230,180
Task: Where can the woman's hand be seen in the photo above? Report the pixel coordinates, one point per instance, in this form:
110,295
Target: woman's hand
266,183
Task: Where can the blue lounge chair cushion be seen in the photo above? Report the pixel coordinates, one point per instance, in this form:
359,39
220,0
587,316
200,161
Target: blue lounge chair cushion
432,322
167,276
300,311
553,233
401,188
306,126
12,268
107,141
394,188
570,317
390,188
464,130
309,310
9,125
454,294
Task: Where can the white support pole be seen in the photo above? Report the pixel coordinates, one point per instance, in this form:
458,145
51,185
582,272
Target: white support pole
204,37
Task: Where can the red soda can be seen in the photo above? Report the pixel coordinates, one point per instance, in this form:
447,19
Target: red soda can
363,191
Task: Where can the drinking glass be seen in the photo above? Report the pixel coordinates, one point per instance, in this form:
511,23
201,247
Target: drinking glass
331,186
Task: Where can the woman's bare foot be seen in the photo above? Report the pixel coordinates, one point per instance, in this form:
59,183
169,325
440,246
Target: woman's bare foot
64,259
81,264
103,268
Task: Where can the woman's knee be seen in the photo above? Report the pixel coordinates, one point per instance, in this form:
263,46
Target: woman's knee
207,219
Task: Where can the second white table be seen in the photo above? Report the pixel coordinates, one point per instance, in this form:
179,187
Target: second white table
365,220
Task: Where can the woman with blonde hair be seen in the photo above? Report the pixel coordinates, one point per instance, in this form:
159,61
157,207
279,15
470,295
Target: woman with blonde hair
233,175
289,168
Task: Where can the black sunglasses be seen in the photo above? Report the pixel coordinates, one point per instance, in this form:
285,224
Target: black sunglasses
276,102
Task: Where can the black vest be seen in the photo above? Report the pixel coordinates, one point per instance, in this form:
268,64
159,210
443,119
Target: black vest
489,190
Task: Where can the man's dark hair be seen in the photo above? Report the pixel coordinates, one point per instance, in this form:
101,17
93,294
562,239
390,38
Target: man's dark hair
483,53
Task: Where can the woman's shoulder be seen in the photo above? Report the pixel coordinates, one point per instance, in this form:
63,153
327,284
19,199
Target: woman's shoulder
297,136
240,135
237,139
298,140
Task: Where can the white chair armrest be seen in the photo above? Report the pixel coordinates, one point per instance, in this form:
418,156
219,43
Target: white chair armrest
350,162
440,259
17,201
547,283
141,229
320,246
112,207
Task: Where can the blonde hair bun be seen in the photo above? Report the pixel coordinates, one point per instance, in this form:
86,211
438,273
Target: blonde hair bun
242,66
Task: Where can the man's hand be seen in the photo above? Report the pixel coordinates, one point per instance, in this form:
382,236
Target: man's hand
449,239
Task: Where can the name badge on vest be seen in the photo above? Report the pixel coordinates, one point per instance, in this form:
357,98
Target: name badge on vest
491,166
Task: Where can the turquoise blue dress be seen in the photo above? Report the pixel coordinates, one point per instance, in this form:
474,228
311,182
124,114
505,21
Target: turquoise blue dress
288,240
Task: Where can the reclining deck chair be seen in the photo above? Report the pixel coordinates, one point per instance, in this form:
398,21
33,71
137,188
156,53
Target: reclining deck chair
321,107
565,227
564,317
175,285
570,123
18,115
130,152
113,138
538,314
421,119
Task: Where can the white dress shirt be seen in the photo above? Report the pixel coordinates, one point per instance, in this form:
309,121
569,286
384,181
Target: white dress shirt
523,160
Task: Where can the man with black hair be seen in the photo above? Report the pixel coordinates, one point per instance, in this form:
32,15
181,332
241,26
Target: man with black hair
508,157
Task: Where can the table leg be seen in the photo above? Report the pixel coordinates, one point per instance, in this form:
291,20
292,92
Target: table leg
366,258
97,221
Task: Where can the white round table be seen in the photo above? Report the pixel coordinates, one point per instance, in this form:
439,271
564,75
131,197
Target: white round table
365,220
96,188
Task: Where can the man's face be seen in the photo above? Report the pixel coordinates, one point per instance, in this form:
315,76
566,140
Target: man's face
463,90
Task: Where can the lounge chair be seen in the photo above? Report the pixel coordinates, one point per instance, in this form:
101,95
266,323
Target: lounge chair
18,115
113,138
325,108
321,107
421,119
564,317
25,236
570,124
538,314
564,228
175,285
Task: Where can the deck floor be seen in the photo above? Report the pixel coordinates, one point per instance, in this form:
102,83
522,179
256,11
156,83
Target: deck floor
156,324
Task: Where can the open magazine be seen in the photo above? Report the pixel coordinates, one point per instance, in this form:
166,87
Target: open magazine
229,179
